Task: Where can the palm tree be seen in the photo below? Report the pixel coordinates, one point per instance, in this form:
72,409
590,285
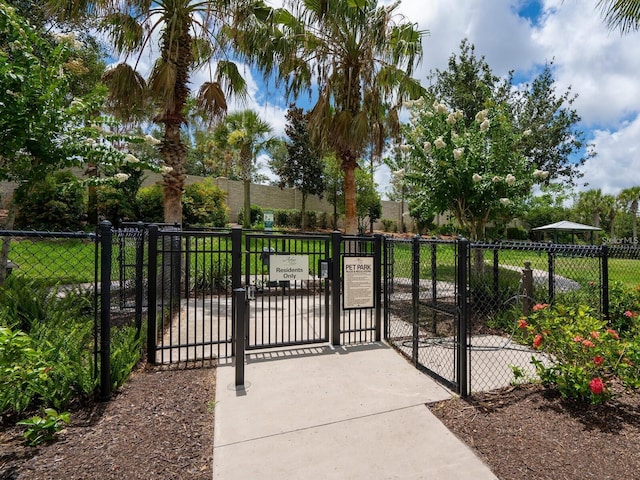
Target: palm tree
591,205
621,14
189,35
610,208
629,198
247,134
362,57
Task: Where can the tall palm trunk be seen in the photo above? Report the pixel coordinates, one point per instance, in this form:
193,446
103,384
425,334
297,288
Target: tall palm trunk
173,149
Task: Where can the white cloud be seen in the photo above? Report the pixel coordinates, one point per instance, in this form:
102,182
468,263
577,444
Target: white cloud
602,67
618,162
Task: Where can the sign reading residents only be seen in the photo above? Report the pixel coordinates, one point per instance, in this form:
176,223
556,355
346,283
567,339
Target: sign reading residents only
358,282
293,268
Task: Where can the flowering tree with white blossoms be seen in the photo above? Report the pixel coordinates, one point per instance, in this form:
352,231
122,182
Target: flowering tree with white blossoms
476,172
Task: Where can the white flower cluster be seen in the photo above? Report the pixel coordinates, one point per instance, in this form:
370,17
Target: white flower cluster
540,174
121,177
166,169
481,118
151,140
439,142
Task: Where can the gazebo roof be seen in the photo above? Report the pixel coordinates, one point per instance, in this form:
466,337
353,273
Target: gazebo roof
570,226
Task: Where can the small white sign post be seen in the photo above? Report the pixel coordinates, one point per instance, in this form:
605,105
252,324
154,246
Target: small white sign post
358,282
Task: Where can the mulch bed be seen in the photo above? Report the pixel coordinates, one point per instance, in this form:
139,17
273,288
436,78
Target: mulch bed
529,432
160,425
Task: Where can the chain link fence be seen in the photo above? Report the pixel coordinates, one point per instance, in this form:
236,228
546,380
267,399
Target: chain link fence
454,308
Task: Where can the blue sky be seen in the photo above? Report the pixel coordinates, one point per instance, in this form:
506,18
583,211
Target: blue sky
600,66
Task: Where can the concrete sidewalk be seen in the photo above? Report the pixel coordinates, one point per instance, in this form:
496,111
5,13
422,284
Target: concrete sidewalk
334,413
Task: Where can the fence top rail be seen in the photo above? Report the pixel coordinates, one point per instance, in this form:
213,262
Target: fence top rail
43,234
541,246
194,233
281,235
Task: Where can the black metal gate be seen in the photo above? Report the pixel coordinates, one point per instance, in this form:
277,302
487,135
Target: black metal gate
191,277
295,282
424,305
290,296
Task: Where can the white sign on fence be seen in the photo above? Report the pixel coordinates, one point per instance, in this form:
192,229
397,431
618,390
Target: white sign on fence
358,282
292,268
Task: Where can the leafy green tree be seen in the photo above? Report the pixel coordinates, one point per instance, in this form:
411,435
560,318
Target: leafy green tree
369,204
629,199
547,207
476,172
610,209
553,142
590,207
621,14
245,134
334,187
188,35
303,168
362,56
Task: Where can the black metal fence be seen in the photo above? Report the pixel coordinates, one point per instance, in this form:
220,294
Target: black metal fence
102,272
453,307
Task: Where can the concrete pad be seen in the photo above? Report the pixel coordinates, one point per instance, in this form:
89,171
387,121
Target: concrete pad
321,413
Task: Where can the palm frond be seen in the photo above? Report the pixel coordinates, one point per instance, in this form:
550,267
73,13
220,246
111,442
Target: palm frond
231,80
127,89
125,32
621,14
162,84
211,99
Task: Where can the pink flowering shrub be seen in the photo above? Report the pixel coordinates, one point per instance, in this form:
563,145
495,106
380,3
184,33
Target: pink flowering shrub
624,306
584,353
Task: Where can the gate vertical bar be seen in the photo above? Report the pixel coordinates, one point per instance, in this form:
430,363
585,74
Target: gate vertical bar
240,320
463,316
236,278
387,284
377,290
336,240
139,276
415,295
551,275
605,282
152,294
106,239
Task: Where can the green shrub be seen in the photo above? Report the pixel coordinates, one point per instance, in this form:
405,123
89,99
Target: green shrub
281,218
583,354
126,351
21,369
257,215
624,306
323,220
203,204
295,219
517,233
113,204
311,220
150,206
42,429
52,362
389,225
54,203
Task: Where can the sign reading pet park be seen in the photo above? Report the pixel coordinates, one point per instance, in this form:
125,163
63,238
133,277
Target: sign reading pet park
292,268
358,282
